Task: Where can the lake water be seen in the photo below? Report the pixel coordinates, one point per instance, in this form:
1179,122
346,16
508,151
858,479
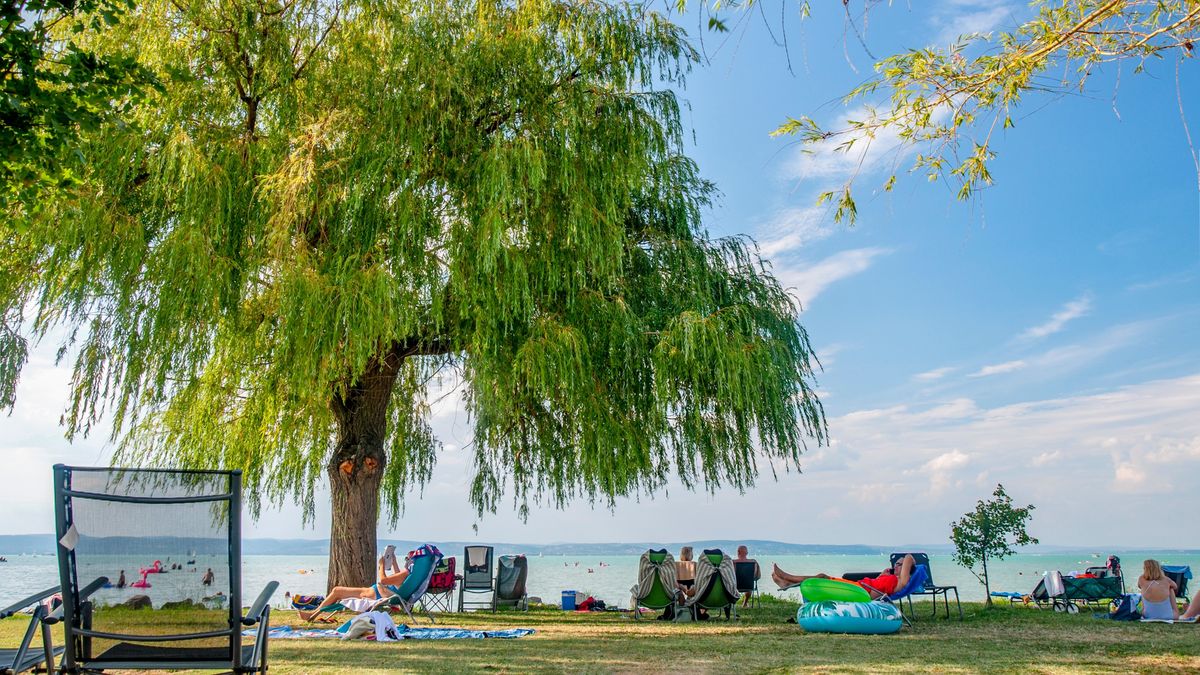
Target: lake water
550,575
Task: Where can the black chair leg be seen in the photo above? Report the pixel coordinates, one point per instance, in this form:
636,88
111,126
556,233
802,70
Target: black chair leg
956,602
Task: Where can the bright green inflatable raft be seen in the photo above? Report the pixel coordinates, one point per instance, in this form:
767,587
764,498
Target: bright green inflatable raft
867,618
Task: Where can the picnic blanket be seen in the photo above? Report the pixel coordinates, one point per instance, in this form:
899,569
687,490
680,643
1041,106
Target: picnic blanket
404,633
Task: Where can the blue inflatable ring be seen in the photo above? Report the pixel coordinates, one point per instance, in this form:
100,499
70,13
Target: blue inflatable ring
865,618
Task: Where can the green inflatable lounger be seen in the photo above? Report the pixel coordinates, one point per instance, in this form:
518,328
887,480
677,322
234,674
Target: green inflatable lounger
820,590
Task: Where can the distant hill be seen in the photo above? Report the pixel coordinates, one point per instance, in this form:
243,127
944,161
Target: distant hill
15,544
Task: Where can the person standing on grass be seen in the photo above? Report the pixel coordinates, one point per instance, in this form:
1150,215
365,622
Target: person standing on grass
743,555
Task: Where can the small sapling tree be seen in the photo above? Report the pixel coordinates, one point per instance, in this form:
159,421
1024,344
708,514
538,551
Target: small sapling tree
989,533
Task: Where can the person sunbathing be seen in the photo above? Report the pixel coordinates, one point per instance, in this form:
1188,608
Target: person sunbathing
879,586
388,584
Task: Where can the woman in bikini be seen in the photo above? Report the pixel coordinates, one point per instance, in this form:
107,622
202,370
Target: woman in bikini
879,586
388,584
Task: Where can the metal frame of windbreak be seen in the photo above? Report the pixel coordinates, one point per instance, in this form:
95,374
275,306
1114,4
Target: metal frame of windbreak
75,612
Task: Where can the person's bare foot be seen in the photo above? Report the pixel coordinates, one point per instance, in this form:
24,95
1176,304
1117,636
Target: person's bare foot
307,616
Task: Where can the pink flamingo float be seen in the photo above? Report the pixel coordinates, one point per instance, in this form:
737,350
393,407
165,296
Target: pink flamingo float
157,568
143,583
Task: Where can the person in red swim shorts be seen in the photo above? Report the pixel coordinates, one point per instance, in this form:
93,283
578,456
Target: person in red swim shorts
882,585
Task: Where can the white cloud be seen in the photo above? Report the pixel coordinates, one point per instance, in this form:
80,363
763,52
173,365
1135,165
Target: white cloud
1000,368
1047,458
943,470
1140,440
866,155
965,17
1069,312
792,228
807,281
932,375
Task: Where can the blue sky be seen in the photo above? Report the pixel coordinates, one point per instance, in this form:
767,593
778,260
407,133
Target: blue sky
1043,335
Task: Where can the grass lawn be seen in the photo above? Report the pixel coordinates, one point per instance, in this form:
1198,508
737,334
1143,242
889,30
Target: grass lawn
1000,640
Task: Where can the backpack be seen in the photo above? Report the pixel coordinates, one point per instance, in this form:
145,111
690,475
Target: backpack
1125,607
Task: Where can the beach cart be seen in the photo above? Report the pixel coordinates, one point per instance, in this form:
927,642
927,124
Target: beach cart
1069,593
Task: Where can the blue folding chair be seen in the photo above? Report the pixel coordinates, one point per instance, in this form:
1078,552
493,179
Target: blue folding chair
916,583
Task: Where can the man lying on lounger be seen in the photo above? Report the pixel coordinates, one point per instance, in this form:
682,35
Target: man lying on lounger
388,584
879,586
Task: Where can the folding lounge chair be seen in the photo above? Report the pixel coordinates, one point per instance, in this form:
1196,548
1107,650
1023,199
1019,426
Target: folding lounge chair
26,656
477,577
409,593
931,588
746,582
105,513
719,595
406,596
440,594
657,597
917,583
511,575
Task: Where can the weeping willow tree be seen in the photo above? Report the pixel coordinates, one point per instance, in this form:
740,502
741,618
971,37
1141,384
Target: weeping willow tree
328,204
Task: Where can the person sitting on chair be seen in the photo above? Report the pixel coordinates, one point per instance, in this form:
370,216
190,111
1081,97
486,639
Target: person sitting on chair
743,555
878,586
388,584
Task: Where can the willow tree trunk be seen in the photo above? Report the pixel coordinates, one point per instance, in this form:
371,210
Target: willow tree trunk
355,471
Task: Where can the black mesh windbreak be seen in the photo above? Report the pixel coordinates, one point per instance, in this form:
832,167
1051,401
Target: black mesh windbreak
175,556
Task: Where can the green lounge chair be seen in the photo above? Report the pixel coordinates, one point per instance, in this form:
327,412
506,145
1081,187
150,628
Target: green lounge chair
658,597
25,656
718,596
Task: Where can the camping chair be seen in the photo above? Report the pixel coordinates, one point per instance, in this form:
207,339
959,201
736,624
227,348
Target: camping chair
746,580
931,588
476,577
440,594
25,656
1180,575
658,596
511,575
102,514
718,596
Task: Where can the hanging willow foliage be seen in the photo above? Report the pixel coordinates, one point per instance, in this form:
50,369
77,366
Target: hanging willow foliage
328,200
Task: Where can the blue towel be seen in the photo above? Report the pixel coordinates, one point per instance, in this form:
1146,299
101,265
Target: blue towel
1007,594
406,633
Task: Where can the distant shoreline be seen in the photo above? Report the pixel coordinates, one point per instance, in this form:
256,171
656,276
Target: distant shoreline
17,544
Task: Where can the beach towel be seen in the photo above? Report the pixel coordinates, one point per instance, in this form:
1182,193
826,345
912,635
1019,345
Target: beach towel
648,570
378,622
704,575
403,632
476,557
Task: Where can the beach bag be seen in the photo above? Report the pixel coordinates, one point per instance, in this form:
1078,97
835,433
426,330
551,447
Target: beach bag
1125,608
307,602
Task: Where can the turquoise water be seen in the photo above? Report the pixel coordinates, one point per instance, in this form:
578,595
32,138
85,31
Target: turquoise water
550,575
